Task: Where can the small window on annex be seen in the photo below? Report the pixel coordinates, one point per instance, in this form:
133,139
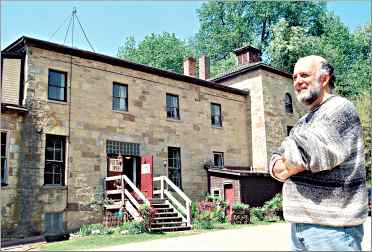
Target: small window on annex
288,103
119,97
4,160
216,115
57,85
218,159
173,110
54,173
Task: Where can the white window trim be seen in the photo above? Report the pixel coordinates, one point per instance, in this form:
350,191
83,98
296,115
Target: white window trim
216,189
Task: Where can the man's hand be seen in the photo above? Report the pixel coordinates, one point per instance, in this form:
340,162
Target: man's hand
281,172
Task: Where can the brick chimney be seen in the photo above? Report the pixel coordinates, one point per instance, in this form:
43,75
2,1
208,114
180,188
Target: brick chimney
189,66
247,54
204,72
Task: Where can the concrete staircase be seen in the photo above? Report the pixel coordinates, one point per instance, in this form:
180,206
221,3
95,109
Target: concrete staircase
167,219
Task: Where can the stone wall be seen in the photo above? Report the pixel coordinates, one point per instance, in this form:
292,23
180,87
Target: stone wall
88,121
277,119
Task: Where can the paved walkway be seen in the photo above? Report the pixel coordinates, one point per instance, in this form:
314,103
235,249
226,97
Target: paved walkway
273,237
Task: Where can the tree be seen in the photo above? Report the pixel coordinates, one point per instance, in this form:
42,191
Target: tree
348,52
163,51
225,26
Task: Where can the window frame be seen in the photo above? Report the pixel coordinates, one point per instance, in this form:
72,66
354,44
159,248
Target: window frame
222,158
169,106
126,100
54,86
175,169
5,182
213,104
51,166
288,103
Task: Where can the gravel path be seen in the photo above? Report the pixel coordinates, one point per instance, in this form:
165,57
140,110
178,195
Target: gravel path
273,237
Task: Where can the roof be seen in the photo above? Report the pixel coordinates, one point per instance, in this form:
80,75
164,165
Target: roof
237,172
240,69
23,41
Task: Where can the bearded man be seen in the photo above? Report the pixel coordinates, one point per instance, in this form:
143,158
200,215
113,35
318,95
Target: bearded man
321,164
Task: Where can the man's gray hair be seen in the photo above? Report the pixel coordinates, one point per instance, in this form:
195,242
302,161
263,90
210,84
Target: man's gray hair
326,68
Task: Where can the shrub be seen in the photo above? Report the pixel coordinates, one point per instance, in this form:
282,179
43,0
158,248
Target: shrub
257,214
148,214
194,210
240,206
275,203
137,227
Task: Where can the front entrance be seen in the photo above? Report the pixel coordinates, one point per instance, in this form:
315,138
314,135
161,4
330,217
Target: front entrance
130,166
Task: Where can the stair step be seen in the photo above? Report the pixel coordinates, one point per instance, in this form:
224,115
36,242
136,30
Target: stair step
158,206
114,191
165,219
164,210
114,206
173,214
167,224
170,229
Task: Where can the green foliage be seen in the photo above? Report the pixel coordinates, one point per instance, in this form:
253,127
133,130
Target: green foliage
257,214
276,203
363,106
137,227
194,210
163,51
240,206
95,229
148,214
349,53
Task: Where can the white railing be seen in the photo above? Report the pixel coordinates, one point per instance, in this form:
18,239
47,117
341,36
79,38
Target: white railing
184,209
127,199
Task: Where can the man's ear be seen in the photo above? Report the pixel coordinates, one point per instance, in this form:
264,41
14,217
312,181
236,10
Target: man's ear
324,79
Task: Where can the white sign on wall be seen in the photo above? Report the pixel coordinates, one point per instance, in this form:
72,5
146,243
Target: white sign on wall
116,164
145,169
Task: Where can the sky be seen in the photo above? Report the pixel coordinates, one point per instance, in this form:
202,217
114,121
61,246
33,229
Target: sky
108,23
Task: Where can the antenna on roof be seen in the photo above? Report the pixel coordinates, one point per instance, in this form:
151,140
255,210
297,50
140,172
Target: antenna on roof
72,20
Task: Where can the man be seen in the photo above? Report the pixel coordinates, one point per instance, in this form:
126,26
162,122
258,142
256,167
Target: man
321,164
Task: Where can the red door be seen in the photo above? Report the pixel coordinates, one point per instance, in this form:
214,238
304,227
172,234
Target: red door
229,198
146,176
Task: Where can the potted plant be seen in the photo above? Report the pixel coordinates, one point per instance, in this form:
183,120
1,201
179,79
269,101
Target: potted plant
240,214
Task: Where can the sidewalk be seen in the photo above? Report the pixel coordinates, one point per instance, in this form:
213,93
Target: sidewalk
273,237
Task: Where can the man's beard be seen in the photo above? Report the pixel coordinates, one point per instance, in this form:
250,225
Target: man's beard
309,95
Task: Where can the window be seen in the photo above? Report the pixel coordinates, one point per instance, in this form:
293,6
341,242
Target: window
218,159
123,148
120,97
54,173
216,192
173,107
289,128
288,103
53,223
216,115
57,88
4,160
174,165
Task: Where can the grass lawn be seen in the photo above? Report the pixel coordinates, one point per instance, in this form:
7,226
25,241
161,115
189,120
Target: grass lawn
98,241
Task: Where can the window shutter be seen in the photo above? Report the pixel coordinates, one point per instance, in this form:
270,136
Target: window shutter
11,78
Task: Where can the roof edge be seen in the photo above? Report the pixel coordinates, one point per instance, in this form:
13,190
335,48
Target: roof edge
252,68
24,40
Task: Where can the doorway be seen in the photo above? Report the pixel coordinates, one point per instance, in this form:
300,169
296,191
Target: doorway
131,167
229,198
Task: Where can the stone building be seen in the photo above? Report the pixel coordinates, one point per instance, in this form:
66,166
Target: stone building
66,111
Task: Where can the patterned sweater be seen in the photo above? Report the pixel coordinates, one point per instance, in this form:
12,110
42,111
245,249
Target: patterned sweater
328,143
